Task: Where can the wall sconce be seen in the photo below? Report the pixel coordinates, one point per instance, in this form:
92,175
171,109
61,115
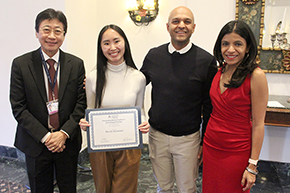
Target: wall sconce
143,11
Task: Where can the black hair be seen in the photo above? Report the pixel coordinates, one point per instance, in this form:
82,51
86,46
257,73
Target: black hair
102,61
50,14
248,63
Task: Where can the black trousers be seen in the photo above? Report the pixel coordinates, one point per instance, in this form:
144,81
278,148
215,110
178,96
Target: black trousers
41,172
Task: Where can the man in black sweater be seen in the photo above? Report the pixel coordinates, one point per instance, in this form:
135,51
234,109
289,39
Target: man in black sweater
181,74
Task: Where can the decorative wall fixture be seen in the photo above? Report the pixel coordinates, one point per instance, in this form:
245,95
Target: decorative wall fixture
143,11
274,58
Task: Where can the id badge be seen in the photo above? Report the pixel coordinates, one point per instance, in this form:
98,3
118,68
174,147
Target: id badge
52,107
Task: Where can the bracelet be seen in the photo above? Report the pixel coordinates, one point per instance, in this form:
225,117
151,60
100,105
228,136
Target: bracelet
252,171
254,162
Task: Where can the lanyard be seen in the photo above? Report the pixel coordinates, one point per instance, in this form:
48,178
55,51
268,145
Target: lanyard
52,84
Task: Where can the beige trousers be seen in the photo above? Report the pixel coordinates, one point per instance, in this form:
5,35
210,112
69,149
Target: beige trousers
116,171
174,159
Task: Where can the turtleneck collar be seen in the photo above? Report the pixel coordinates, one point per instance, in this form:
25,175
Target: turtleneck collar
116,68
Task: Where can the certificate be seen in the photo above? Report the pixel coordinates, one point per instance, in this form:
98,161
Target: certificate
114,129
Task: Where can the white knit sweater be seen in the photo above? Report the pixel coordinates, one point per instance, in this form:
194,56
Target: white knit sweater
124,87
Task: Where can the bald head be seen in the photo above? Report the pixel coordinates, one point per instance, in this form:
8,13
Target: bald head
180,26
180,10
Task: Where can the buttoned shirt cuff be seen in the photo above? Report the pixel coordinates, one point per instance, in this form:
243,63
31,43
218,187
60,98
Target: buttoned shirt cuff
45,137
65,133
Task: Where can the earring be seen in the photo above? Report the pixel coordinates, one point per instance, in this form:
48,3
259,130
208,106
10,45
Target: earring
224,63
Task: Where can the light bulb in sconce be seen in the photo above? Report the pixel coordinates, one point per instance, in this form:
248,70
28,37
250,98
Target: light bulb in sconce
132,5
149,5
142,12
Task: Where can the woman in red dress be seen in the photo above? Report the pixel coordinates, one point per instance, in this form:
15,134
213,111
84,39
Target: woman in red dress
235,131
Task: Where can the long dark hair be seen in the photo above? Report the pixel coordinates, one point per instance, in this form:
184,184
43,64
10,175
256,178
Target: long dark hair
248,63
102,62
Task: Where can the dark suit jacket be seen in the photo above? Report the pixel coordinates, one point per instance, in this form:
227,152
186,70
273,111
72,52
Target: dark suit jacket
28,100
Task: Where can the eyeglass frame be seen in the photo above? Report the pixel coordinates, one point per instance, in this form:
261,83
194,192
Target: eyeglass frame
52,30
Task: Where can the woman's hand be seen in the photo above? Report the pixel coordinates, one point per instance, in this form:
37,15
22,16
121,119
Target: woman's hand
144,127
84,83
84,124
249,179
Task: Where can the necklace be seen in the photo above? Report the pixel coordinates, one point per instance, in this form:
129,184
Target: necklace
228,71
227,78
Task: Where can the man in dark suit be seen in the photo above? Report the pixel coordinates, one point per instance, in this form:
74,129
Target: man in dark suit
48,109
181,74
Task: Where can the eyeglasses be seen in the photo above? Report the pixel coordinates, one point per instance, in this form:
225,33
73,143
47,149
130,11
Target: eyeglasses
47,30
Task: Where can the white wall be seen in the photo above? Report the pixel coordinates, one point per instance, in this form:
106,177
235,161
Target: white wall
86,18
276,144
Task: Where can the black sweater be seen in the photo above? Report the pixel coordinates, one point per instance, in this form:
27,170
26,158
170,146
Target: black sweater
180,89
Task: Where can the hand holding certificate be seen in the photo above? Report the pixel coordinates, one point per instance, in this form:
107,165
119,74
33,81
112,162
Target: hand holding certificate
114,129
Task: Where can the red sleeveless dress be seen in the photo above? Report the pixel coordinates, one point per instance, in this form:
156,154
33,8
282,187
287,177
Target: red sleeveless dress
227,140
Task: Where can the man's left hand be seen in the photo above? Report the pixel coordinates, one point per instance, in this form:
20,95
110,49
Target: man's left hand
55,142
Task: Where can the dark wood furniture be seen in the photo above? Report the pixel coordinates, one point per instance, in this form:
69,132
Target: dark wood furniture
278,116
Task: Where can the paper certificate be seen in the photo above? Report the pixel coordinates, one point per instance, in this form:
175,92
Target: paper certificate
114,129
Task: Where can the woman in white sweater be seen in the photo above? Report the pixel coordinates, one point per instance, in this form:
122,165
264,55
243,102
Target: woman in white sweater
116,82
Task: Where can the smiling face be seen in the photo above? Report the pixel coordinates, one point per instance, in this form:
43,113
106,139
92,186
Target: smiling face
113,47
50,42
180,26
233,48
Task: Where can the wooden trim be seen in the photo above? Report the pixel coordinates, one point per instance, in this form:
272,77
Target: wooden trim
277,117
